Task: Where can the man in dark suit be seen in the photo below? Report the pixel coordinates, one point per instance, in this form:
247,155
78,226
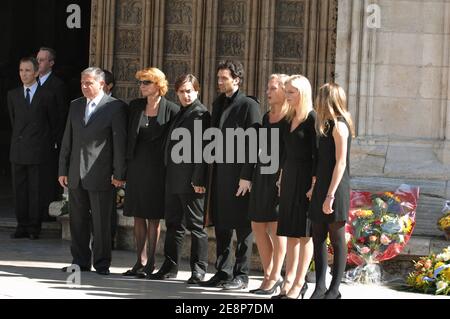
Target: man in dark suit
34,123
185,186
50,189
231,182
92,161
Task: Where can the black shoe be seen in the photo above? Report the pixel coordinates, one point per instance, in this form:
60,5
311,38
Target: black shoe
163,274
103,272
235,284
133,272
280,296
195,279
34,236
217,281
300,294
82,269
332,295
271,291
318,294
19,234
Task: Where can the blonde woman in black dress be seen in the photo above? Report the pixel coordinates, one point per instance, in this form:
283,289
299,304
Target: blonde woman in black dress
331,195
297,177
263,207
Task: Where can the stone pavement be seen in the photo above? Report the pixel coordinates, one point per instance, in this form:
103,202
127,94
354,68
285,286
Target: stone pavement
31,269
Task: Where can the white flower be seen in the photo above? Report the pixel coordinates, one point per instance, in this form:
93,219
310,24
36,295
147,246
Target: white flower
441,285
348,237
445,256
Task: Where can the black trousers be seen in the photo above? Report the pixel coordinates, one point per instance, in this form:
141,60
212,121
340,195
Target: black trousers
243,252
86,207
185,212
26,182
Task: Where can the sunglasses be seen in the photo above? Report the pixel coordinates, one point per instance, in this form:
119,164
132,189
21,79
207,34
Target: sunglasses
145,83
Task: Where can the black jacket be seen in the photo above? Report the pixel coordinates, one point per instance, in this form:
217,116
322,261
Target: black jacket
227,210
167,111
181,176
93,153
58,88
34,128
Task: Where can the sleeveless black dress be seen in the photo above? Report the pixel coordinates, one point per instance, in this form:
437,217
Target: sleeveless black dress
298,170
263,206
325,166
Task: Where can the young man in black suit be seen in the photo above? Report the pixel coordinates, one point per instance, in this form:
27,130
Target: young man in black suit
231,182
32,111
185,187
92,162
50,189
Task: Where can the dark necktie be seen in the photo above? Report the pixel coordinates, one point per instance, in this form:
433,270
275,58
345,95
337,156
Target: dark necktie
28,97
39,81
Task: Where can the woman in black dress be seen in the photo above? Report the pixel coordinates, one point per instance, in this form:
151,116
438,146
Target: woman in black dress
331,196
263,207
297,177
144,199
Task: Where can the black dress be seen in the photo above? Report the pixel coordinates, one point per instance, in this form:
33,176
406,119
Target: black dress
325,166
146,173
298,170
264,200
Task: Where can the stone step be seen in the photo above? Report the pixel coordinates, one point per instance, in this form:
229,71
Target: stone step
48,230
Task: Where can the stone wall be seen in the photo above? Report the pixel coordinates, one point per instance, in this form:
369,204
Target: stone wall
397,79
179,36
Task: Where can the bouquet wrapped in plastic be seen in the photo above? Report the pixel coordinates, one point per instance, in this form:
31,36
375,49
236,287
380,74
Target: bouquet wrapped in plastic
379,227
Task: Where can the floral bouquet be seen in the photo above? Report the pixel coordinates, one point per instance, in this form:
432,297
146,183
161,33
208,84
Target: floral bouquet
379,227
444,222
432,274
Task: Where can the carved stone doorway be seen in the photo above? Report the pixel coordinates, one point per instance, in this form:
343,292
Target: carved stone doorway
178,36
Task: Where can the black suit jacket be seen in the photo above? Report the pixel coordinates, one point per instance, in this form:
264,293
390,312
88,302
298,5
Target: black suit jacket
227,210
55,85
181,176
166,113
34,128
92,153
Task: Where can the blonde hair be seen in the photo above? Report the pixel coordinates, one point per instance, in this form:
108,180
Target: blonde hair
281,80
303,86
331,103
156,76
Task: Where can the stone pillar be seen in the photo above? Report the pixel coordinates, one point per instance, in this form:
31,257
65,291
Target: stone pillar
103,14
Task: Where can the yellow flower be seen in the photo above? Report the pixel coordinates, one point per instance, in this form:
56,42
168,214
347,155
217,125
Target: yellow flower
445,274
438,264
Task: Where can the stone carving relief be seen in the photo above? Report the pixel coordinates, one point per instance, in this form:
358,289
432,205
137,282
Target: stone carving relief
179,12
128,41
129,12
286,68
290,14
178,42
231,44
232,13
125,69
288,45
174,69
